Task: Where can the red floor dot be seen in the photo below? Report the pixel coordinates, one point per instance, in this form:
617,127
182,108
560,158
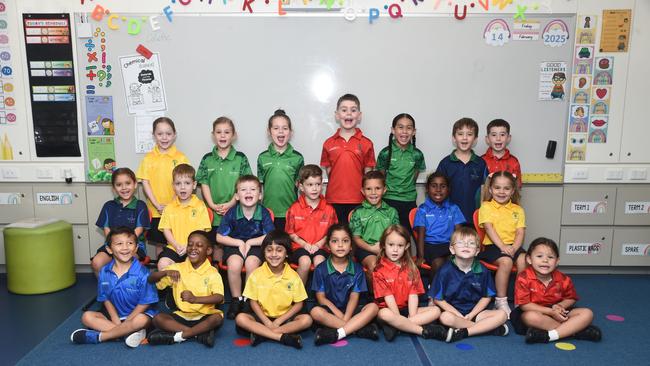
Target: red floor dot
242,342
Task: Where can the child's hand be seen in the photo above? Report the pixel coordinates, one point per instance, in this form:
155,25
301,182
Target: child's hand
559,313
173,275
509,250
181,250
244,248
160,208
375,249
276,324
219,209
419,261
269,324
188,296
338,313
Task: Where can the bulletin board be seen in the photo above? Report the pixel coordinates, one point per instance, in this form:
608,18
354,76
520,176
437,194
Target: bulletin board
437,69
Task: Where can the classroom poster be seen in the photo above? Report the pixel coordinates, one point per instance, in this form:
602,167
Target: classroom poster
615,33
143,133
99,116
101,158
143,83
586,29
552,80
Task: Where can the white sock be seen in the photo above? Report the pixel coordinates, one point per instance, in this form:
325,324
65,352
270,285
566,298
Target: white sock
99,337
341,333
553,336
178,337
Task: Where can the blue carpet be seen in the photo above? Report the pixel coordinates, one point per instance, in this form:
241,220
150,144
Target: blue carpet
624,343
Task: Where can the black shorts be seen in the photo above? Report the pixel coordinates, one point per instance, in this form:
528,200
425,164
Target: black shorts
433,251
191,323
154,235
244,333
280,223
171,254
403,209
357,310
343,211
492,252
302,252
105,313
361,254
517,324
141,254
255,251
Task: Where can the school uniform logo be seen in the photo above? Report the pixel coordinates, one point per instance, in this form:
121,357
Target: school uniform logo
193,212
515,216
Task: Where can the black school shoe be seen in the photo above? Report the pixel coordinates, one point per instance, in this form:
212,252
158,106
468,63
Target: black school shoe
455,335
370,331
534,335
501,331
158,337
435,331
293,340
591,333
234,308
325,335
206,338
256,339
390,332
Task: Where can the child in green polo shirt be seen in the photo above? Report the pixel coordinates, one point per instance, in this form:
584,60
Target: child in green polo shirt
218,172
401,162
278,167
369,220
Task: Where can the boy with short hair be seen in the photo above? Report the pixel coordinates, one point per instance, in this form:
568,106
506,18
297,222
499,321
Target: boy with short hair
241,232
498,157
197,288
370,219
465,170
346,156
185,214
126,296
308,220
463,289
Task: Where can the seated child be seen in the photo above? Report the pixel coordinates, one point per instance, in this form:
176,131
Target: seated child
397,285
197,288
338,284
241,232
498,157
126,296
276,296
463,289
183,215
370,219
435,221
546,299
308,220
124,210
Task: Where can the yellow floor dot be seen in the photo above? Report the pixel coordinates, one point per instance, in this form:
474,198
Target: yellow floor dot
565,346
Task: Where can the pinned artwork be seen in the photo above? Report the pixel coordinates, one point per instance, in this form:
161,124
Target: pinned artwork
577,147
604,70
101,158
615,32
598,130
497,32
578,118
99,116
556,33
143,83
583,62
600,100
552,80
586,28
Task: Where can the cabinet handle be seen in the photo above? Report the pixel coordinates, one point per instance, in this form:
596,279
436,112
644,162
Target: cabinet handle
603,238
606,196
76,195
22,195
78,236
629,154
612,154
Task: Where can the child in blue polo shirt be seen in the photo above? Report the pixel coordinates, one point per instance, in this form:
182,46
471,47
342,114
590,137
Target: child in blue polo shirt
463,289
126,295
124,210
241,232
466,170
435,221
338,283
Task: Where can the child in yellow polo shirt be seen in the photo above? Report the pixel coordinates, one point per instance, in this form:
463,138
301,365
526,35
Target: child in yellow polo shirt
197,289
276,296
182,216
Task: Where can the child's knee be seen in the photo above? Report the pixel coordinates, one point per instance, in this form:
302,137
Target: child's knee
317,312
304,320
531,317
304,261
87,316
447,317
385,314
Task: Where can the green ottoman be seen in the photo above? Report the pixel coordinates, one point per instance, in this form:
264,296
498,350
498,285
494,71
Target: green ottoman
40,259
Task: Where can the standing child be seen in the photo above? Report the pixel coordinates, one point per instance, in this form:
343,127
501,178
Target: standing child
183,215
346,156
504,222
463,289
241,232
278,168
277,296
124,210
435,221
155,173
197,288
126,296
401,162
397,285
308,220
218,172
498,157
465,170
546,299
338,284
369,220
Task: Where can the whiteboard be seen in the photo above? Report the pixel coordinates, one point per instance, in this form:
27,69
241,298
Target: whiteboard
436,69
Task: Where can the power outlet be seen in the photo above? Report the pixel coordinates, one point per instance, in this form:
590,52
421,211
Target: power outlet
10,173
44,173
580,173
638,174
614,174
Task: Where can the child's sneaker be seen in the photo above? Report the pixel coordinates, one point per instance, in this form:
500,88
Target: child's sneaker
591,333
206,338
158,337
501,331
293,340
389,332
134,339
434,331
325,335
370,331
256,339
85,336
501,303
534,335
234,308
455,335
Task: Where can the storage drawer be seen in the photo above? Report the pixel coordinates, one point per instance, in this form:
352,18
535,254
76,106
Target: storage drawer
16,202
631,247
61,201
588,204
81,248
586,246
633,205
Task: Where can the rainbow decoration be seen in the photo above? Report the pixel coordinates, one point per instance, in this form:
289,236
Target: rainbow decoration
556,24
497,32
556,33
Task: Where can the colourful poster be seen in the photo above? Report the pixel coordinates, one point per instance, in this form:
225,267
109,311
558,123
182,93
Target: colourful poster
581,89
583,62
101,158
577,147
552,80
615,33
99,115
578,118
143,84
598,130
604,70
586,29
600,100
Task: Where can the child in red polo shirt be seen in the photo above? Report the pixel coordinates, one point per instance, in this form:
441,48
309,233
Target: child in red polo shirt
308,220
346,156
546,298
397,285
498,157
